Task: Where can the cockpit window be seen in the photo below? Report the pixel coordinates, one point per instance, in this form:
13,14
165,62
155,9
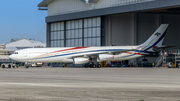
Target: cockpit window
15,52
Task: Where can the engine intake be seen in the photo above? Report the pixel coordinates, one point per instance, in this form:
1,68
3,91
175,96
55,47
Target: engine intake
104,57
80,60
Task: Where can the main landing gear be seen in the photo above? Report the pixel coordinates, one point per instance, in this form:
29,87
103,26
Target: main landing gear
92,65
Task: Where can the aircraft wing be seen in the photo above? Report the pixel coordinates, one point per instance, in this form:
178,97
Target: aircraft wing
94,55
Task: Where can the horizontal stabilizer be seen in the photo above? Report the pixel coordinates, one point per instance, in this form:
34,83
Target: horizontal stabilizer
155,48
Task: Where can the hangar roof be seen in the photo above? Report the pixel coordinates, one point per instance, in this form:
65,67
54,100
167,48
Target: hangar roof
24,43
44,3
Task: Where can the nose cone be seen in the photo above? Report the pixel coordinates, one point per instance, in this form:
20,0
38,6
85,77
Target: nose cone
11,57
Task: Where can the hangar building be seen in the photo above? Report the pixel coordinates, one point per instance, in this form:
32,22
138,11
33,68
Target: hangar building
17,44
109,22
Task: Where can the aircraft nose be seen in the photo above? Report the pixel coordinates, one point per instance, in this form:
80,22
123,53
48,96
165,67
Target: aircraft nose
11,57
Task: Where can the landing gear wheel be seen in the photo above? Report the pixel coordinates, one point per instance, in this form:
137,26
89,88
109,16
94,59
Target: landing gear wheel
98,66
3,66
94,66
9,66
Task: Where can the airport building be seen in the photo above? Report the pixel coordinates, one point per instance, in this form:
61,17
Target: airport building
79,23
17,44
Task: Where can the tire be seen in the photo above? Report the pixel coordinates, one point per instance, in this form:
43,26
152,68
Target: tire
9,66
94,66
3,66
98,66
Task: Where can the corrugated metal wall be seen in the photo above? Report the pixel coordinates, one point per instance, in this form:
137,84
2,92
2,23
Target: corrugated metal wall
58,7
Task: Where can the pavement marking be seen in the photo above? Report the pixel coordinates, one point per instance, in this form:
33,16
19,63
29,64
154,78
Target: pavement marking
97,85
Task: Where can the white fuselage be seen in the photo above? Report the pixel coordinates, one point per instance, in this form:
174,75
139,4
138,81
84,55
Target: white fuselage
84,54
35,55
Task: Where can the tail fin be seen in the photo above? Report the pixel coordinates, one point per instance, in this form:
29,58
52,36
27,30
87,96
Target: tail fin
156,38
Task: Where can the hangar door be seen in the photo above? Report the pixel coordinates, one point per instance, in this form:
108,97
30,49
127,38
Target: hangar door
83,32
92,32
57,34
76,33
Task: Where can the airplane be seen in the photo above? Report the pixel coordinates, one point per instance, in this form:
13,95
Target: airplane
83,55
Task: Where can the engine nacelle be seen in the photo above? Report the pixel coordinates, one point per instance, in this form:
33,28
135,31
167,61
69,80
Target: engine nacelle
104,57
80,60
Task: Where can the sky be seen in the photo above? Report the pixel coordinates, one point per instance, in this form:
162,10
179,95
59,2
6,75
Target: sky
19,18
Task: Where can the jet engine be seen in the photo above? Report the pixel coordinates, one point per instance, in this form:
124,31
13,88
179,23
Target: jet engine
80,60
104,57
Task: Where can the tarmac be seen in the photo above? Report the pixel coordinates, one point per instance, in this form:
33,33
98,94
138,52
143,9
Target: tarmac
90,84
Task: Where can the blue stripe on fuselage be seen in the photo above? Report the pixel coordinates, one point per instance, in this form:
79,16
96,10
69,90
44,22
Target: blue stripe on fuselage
109,50
128,56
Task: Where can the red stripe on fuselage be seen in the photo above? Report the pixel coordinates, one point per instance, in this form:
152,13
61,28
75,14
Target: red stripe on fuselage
139,54
64,50
70,49
129,52
134,53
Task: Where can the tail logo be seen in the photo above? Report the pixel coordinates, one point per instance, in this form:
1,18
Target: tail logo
157,34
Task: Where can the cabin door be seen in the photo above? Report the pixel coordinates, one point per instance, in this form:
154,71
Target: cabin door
25,53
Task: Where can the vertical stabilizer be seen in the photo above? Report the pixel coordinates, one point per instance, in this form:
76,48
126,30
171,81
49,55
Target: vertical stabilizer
156,38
